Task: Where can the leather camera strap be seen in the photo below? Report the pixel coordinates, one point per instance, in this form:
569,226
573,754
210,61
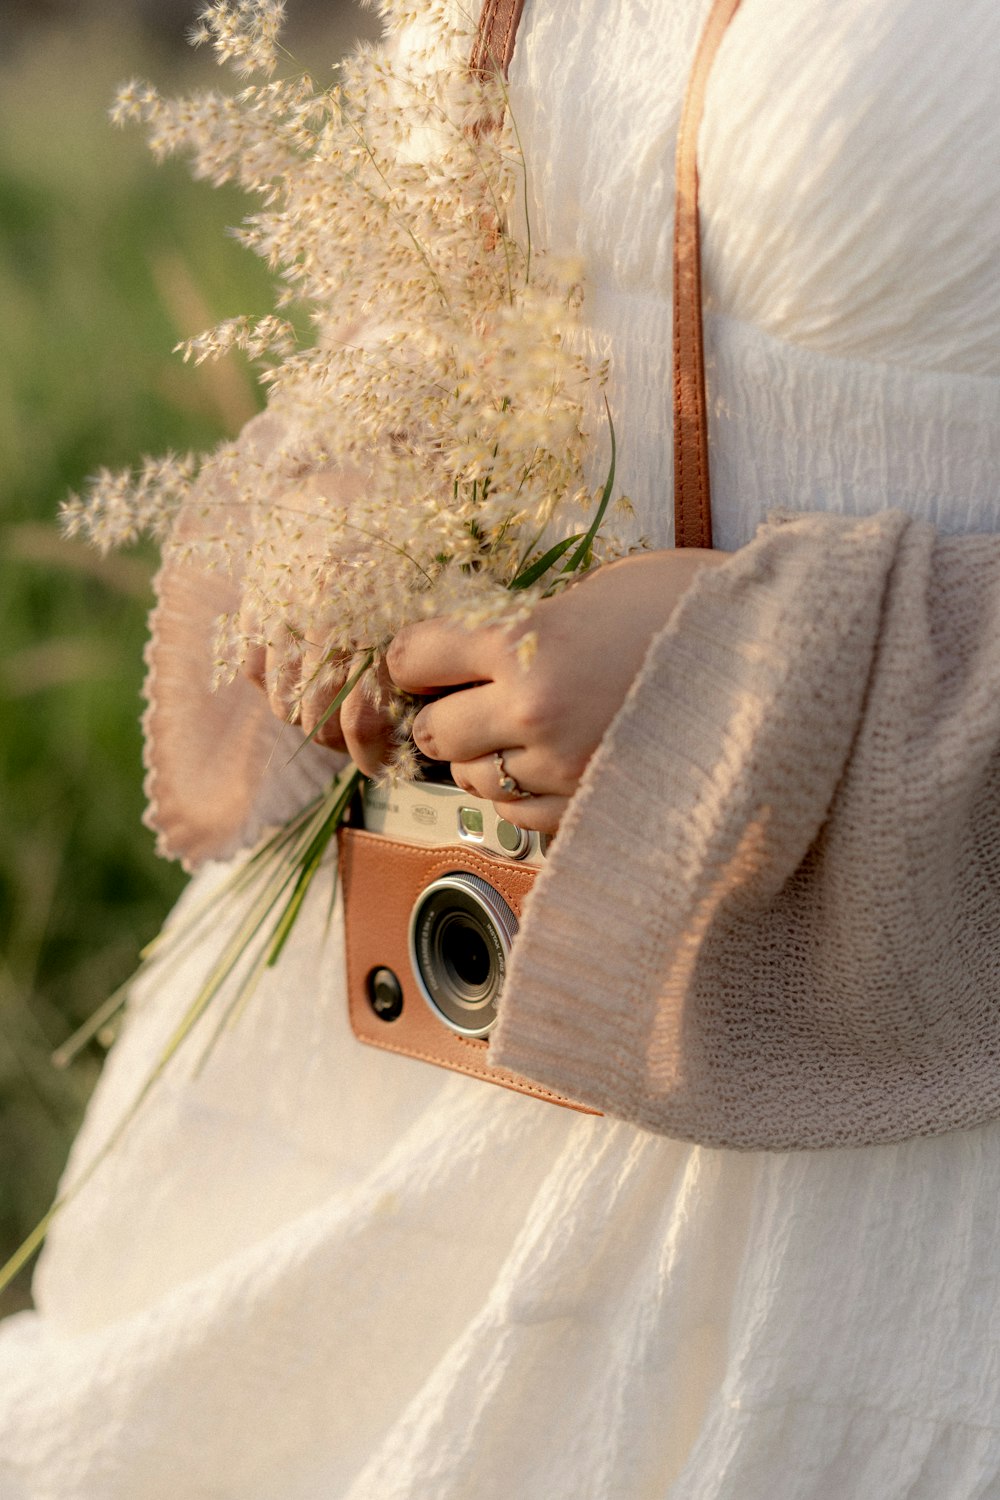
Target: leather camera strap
494,46
692,488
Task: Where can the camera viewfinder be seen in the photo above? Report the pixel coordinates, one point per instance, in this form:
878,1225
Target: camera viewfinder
470,824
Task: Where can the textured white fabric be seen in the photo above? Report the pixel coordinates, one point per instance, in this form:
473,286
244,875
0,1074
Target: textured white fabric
321,1273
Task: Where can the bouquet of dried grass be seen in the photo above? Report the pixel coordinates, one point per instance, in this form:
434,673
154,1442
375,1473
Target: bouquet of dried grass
445,371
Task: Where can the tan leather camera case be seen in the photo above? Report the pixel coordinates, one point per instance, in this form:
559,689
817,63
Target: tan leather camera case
381,879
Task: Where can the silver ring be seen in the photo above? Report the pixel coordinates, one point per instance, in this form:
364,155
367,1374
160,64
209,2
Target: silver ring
508,785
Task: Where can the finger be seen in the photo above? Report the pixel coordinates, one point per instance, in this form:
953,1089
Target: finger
485,779
536,814
539,813
366,724
533,770
322,679
464,725
442,653
254,664
282,680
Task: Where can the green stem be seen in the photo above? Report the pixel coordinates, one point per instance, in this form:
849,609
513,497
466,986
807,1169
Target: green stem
582,553
338,701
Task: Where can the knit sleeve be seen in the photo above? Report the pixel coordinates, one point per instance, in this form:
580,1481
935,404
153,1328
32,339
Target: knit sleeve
771,918
220,767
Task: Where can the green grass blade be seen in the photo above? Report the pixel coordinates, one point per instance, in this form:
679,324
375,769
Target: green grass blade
83,1035
338,701
580,556
310,866
548,559
28,1247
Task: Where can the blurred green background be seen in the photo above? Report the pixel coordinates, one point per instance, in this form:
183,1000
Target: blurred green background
106,261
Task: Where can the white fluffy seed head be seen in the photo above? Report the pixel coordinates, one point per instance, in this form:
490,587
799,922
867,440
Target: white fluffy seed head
437,434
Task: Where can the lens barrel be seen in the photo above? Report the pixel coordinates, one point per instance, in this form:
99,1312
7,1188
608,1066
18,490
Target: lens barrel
461,931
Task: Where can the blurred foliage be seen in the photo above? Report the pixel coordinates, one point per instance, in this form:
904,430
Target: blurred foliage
106,261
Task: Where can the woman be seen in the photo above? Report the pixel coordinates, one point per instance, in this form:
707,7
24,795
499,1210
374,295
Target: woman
318,1270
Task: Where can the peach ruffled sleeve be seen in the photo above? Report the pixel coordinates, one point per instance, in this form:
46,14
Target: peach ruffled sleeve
220,767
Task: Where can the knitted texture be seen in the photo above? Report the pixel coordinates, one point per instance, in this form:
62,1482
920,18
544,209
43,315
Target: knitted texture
220,767
770,919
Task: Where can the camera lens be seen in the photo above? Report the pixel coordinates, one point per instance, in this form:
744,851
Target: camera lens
461,930
464,952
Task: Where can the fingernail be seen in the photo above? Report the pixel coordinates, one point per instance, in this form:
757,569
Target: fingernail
421,738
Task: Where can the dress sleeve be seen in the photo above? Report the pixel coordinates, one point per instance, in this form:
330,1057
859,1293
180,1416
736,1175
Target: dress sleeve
771,918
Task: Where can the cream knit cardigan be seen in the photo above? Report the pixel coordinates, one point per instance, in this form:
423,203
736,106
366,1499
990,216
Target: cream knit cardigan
772,916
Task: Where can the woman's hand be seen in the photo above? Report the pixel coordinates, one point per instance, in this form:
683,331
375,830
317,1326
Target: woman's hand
295,673
298,686
548,716
301,685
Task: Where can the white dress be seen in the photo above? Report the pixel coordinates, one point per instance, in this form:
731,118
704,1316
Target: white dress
318,1272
